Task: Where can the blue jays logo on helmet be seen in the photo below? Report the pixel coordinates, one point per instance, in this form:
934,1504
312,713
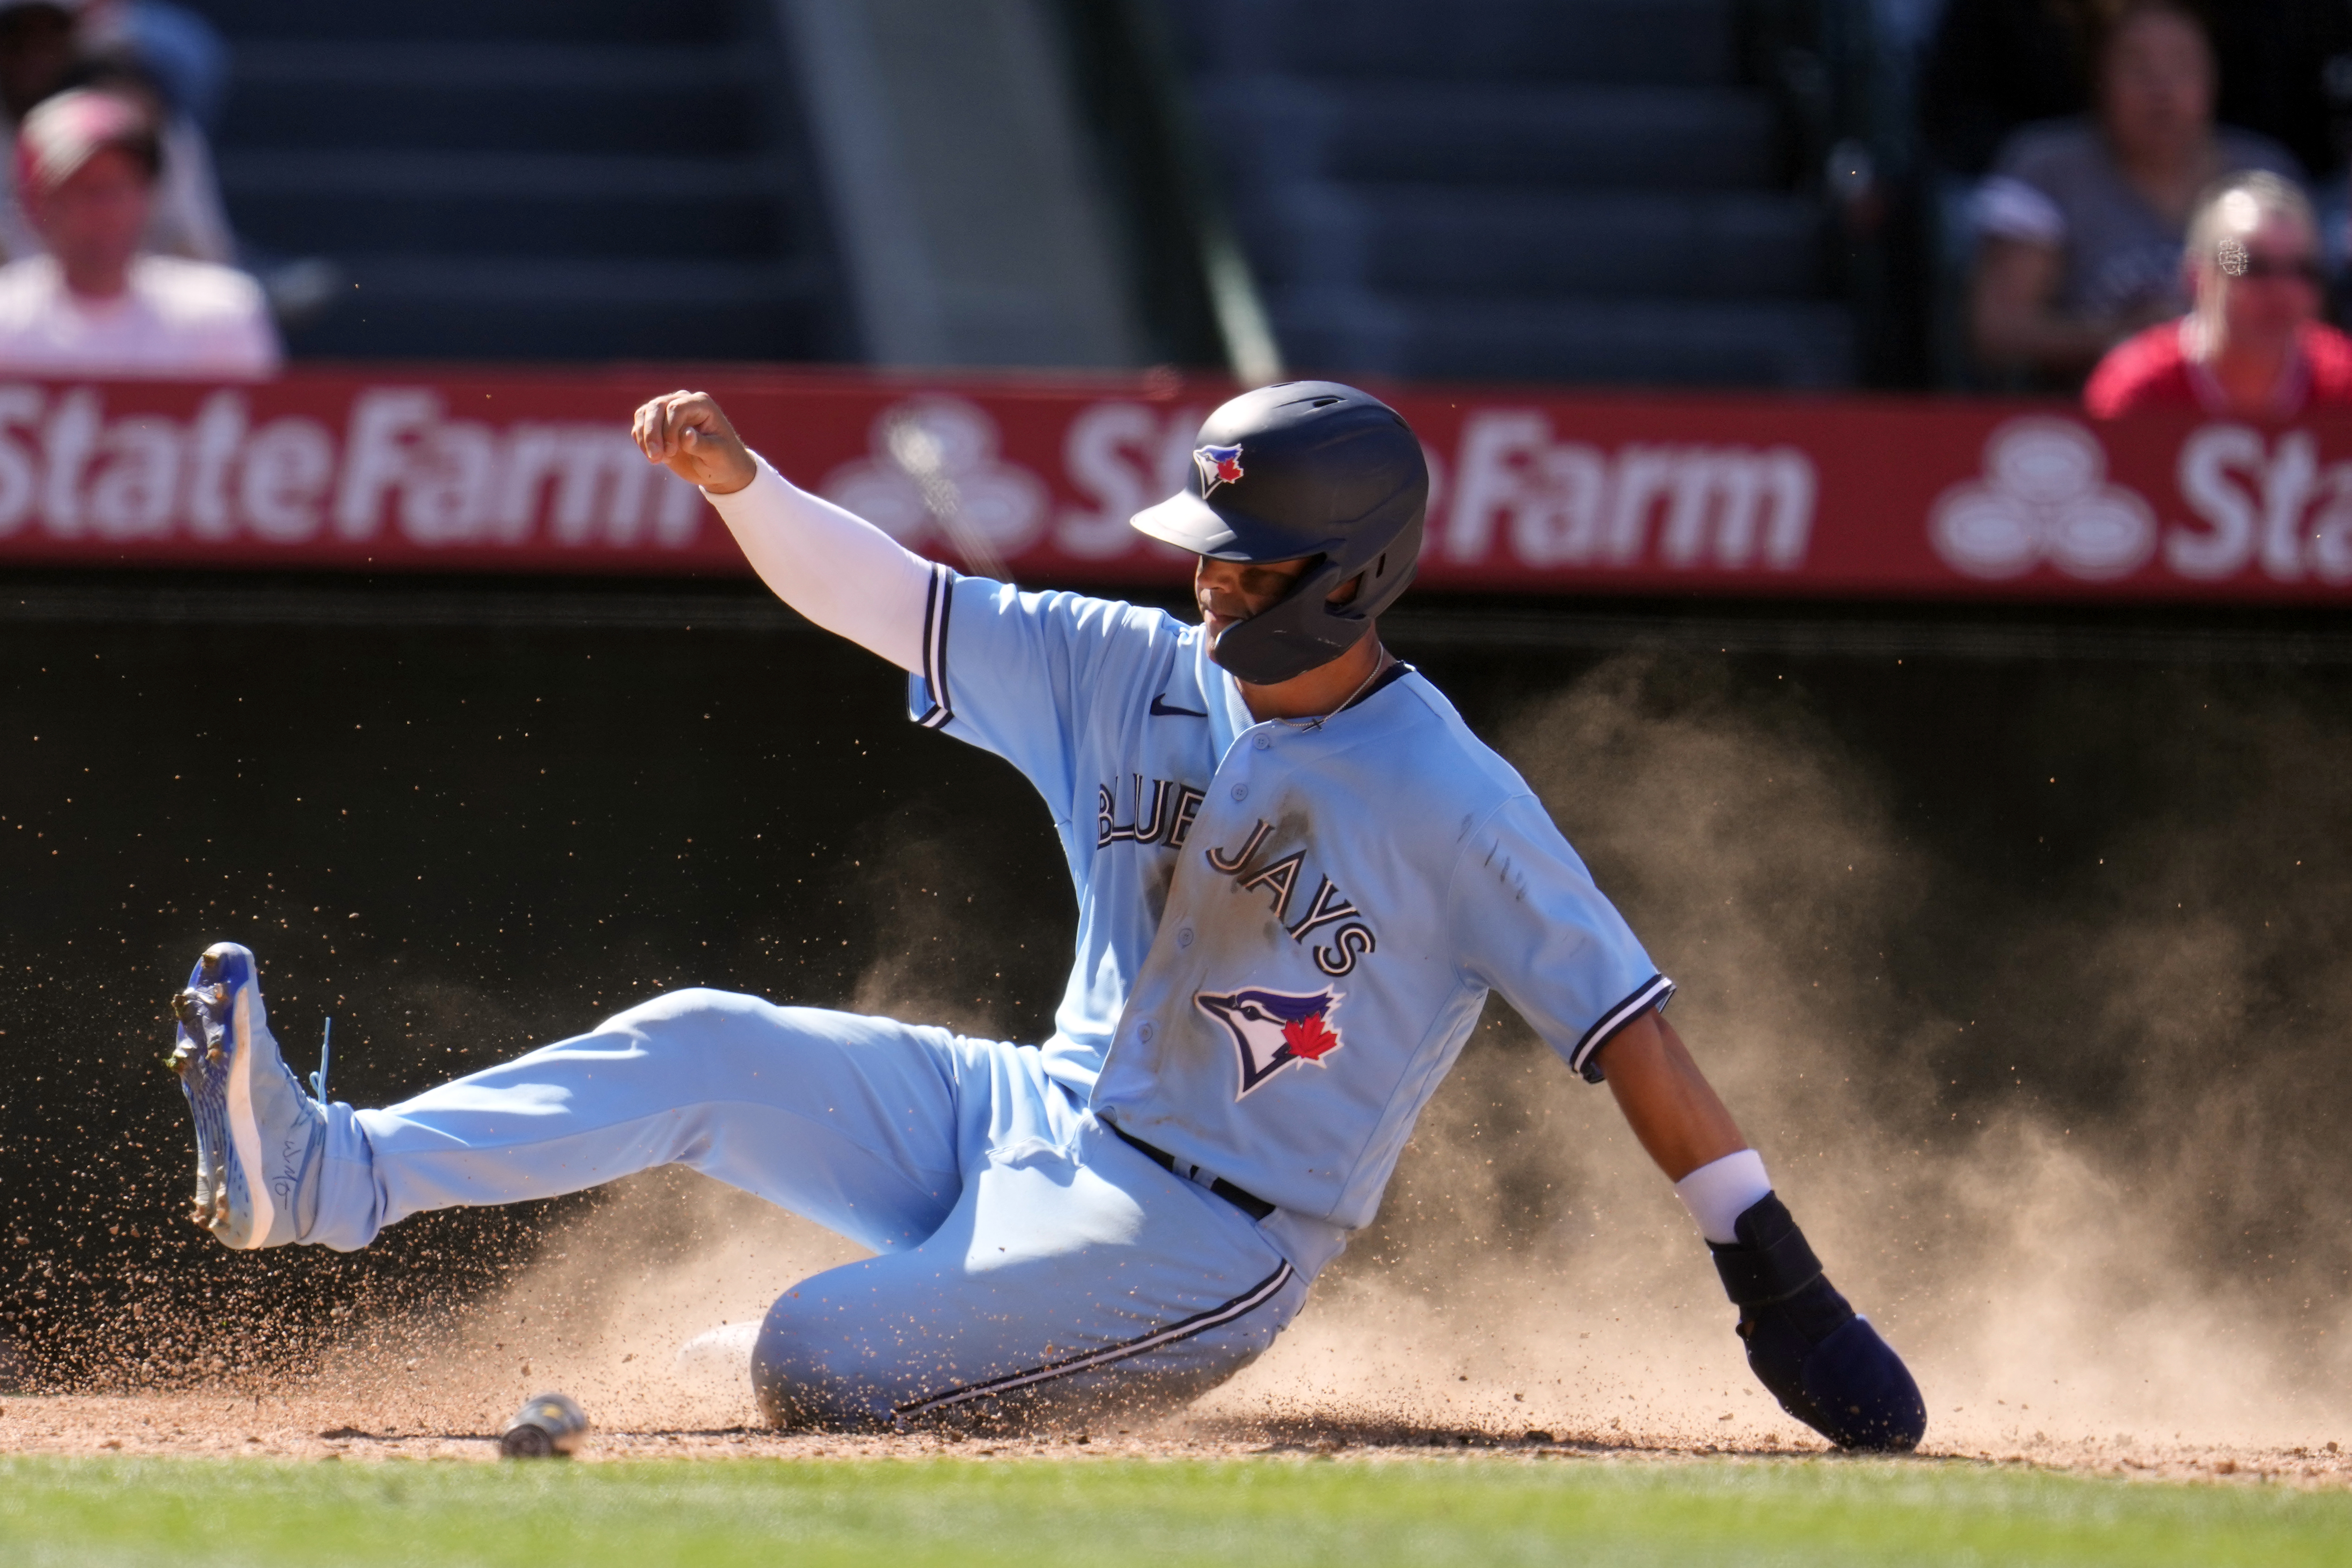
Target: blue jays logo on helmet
1218,465
1270,1030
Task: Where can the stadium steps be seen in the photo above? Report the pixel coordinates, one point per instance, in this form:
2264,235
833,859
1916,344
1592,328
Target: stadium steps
1578,190
514,179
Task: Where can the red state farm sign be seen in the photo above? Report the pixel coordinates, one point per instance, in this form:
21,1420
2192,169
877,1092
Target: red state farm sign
330,472
1884,497
469,471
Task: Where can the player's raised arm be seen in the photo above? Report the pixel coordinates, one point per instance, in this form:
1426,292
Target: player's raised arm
1826,1365
841,571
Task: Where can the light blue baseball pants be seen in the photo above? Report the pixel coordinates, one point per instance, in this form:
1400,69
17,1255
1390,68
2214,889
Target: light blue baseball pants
1032,1266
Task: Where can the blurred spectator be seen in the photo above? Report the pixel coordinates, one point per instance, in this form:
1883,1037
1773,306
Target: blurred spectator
2253,347
36,51
189,219
87,162
177,63
2081,220
45,48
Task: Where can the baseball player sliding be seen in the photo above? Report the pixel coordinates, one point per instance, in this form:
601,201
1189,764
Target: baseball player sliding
1298,876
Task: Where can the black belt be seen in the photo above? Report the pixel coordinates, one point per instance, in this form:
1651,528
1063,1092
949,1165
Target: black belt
1249,1203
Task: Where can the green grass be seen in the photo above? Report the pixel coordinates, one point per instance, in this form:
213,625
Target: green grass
1039,1514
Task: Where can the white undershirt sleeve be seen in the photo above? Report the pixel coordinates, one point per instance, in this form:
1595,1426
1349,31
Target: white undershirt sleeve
1717,1195
832,566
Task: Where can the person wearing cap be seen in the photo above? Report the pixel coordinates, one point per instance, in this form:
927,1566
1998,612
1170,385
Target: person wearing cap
2254,346
189,217
48,46
87,165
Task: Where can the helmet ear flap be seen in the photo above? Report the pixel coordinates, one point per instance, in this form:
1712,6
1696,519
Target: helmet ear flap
1304,630
1382,588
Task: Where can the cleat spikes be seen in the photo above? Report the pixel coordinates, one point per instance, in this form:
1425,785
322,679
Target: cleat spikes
259,1139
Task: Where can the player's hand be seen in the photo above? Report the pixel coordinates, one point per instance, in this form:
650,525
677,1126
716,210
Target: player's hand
1826,1365
1849,1385
687,432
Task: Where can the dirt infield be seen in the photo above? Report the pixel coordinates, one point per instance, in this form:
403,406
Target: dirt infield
312,1426
1526,1365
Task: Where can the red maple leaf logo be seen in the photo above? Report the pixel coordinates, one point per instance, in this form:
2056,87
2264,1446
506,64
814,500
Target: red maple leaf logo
1308,1038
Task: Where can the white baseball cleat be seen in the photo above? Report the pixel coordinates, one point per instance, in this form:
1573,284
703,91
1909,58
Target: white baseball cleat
258,1136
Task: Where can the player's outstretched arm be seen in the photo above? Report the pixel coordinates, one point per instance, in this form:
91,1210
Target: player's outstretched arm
1826,1366
841,571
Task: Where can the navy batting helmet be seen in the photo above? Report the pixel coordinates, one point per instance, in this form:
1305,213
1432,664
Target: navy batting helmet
1302,469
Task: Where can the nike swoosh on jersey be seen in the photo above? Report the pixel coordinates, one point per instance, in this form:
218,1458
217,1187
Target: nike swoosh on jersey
1160,709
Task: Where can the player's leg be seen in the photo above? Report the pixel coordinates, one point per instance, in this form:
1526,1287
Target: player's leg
849,1120
1072,1274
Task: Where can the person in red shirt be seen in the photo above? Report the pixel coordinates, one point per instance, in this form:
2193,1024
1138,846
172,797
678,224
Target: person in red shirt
2253,347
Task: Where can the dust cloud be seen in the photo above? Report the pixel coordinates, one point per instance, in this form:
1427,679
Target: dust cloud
2106,1218
642,1307
643,1303
2068,1143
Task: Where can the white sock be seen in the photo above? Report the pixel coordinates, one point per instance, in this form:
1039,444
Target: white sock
1718,1193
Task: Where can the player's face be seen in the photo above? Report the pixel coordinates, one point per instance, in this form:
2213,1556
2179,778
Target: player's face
1229,592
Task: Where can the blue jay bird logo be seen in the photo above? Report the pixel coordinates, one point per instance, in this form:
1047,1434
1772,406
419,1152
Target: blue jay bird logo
1270,1030
1218,465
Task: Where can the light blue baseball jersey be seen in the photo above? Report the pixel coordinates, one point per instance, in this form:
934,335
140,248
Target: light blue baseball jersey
1285,932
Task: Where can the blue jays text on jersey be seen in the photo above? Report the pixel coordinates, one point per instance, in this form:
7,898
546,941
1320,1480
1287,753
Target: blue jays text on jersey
1286,933
1279,879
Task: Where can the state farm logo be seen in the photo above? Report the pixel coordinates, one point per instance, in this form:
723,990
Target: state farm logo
2270,505
1571,503
934,474
400,463
2044,496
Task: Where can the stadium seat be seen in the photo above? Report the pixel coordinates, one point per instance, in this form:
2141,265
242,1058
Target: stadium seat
1545,189
510,179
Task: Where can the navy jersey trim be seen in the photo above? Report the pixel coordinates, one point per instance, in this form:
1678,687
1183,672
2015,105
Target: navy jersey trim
1651,993
1256,1296
1389,677
936,605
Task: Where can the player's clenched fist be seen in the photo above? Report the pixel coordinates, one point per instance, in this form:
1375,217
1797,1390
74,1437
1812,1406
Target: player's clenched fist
687,431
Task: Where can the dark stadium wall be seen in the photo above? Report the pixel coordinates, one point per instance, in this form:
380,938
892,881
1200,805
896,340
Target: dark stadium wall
458,844
463,834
